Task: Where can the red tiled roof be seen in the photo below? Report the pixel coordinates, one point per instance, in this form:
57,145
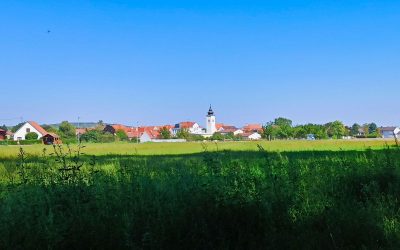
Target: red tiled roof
2,130
252,127
52,135
229,130
186,124
38,127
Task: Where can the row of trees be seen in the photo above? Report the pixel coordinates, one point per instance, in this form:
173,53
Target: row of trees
282,128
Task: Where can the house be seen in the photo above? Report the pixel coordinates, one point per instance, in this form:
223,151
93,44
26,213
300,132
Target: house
28,127
252,128
238,132
192,127
225,128
251,136
9,135
3,134
51,138
255,136
147,136
390,132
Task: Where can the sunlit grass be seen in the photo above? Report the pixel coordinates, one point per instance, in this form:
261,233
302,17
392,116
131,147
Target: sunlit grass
125,148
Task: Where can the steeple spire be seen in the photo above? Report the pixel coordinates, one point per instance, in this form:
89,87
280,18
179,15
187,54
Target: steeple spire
210,111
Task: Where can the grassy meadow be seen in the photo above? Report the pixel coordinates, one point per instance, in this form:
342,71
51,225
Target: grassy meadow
228,195
124,148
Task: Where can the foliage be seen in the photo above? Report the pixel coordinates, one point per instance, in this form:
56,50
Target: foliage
165,133
217,136
121,135
213,200
31,136
183,134
50,129
372,128
67,130
4,127
97,136
336,129
16,127
355,129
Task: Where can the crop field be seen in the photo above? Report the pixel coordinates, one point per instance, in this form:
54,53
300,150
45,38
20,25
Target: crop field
227,195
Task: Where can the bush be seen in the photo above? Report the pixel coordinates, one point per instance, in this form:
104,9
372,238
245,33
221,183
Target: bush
122,136
31,136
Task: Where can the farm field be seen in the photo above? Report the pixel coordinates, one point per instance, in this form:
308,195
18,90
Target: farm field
282,195
124,148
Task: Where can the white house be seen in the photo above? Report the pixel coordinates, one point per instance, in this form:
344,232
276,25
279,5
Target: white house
254,136
390,132
238,132
28,127
192,127
145,137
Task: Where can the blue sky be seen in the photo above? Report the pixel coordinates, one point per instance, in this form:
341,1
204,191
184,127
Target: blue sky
160,62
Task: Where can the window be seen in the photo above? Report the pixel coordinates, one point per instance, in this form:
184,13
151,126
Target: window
28,130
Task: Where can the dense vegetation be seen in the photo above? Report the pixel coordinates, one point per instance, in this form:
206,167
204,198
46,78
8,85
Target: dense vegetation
208,200
282,128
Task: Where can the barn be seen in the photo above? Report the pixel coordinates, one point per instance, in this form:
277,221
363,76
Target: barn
3,134
51,138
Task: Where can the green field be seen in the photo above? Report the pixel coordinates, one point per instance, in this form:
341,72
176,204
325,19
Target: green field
227,195
124,148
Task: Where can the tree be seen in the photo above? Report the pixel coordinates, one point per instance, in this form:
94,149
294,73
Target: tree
299,132
372,127
4,127
183,134
270,131
283,122
67,130
91,136
31,136
121,135
336,129
217,136
284,130
49,128
355,129
165,133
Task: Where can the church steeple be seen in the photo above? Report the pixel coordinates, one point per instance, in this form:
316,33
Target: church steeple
210,111
210,122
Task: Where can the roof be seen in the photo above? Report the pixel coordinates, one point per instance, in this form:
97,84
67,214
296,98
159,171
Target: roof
388,128
229,130
252,127
186,124
38,127
153,134
2,130
247,134
52,135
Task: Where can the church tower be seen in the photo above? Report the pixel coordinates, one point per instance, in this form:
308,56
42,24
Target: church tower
210,122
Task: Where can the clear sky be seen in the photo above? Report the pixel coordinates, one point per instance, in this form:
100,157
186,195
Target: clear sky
160,62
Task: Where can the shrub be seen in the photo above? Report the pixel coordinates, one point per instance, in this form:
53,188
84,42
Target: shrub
31,136
122,136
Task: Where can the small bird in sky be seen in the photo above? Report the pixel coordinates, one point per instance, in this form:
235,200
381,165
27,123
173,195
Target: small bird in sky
48,31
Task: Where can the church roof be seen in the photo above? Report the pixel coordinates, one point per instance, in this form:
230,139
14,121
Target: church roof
210,111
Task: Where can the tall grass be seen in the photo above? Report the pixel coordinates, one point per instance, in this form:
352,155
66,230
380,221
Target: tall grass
208,200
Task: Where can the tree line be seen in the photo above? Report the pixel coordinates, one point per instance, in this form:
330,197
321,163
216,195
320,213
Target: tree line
283,128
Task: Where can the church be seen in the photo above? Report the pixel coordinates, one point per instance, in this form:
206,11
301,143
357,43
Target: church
210,124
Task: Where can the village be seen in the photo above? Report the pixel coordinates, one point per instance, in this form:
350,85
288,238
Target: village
179,132
143,134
